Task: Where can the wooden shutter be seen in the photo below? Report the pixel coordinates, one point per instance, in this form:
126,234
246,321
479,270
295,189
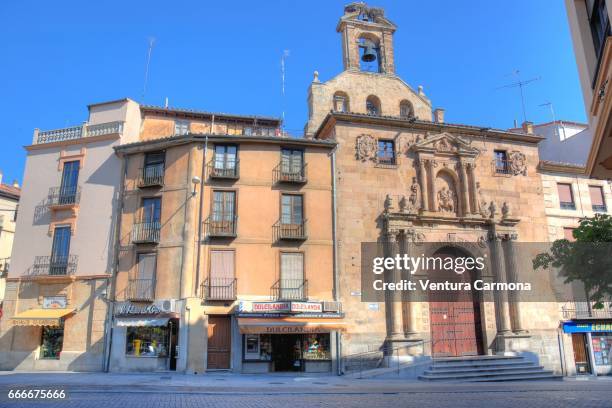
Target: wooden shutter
292,266
596,193
565,193
222,264
146,266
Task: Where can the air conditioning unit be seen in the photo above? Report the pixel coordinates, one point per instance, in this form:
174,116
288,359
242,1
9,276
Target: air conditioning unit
332,307
167,306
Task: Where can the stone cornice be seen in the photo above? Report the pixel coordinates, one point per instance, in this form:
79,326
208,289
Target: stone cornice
557,167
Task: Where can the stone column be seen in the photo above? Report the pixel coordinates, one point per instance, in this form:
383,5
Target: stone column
430,164
465,201
423,183
472,188
396,330
512,276
407,247
500,298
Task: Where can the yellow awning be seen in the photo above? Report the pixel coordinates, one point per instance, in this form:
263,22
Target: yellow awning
41,317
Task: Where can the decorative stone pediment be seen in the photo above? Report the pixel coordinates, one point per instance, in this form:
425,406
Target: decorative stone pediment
446,144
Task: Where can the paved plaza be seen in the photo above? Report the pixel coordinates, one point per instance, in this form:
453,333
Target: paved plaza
228,390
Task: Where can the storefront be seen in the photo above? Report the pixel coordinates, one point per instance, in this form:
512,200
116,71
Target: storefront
145,336
592,346
288,336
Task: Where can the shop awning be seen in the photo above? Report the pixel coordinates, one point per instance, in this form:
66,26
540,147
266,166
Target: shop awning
41,317
141,321
288,325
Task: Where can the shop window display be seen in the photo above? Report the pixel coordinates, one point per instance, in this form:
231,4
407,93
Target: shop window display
602,348
147,341
257,347
52,341
316,347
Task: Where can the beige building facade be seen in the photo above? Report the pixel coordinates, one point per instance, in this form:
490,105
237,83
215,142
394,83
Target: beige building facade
55,307
228,222
9,205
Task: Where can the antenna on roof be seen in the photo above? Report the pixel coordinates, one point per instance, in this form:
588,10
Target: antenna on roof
166,103
283,58
146,75
554,119
520,84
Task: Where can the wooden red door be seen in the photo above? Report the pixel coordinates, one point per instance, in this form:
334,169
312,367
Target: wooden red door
454,317
219,342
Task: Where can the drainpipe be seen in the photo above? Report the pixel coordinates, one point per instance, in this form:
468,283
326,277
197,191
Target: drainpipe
108,330
201,207
335,257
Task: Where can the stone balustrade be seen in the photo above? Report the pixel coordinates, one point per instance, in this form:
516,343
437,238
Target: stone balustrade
77,132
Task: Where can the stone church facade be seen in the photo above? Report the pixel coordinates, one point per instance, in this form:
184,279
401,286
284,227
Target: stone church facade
404,176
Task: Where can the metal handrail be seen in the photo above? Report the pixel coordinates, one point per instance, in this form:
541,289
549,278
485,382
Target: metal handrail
64,195
282,174
54,265
146,232
289,230
290,289
585,310
141,289
229,170
219,289
220,227
151,175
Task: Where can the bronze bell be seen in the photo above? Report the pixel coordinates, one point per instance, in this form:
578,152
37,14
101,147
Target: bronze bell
369,54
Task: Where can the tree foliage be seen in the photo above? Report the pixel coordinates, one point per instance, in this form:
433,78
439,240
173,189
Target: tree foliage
588,259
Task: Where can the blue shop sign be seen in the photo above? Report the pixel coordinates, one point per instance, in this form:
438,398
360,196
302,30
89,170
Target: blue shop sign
587,327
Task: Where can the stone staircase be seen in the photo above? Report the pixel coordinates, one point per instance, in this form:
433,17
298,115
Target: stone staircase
485,368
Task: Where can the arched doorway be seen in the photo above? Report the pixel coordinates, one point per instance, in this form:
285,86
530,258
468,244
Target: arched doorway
455,316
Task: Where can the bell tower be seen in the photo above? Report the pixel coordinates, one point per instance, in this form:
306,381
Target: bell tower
367,39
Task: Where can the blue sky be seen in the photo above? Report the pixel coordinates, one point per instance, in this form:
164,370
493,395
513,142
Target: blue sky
225,56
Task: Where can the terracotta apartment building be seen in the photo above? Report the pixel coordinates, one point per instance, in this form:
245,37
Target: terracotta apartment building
225,247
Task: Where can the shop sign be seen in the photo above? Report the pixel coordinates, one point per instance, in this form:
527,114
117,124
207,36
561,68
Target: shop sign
54,302
588,327
135,309
304,307
264,307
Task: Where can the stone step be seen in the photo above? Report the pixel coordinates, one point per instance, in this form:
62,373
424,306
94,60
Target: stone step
475,358
496,368
513,375
475,364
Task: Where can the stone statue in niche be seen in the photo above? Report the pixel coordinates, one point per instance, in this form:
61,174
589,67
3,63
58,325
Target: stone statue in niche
365,148
482,202
505,210
415,196
446,200
518,163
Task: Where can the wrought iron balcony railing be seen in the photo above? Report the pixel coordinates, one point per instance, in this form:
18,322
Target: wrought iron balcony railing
567,205
141,289
582,310
77,132
151,176
219,289
290,174
4,266
290,231
224,170
290,289
64,196
221,226
54,265
599,208
146,232
501,166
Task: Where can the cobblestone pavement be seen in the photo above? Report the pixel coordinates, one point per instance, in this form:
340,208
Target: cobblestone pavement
153,391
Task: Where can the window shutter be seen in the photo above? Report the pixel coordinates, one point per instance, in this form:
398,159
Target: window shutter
222,264
596,193
565,193
146,266
292,267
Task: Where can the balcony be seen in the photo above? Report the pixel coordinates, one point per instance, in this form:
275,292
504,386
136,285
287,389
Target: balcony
54,265
4,267
63,197
151,176
219,289
581,310
567,205
501,167
140,290
289,174
229,170
146,232
219,226
77,132
290,289
286,231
